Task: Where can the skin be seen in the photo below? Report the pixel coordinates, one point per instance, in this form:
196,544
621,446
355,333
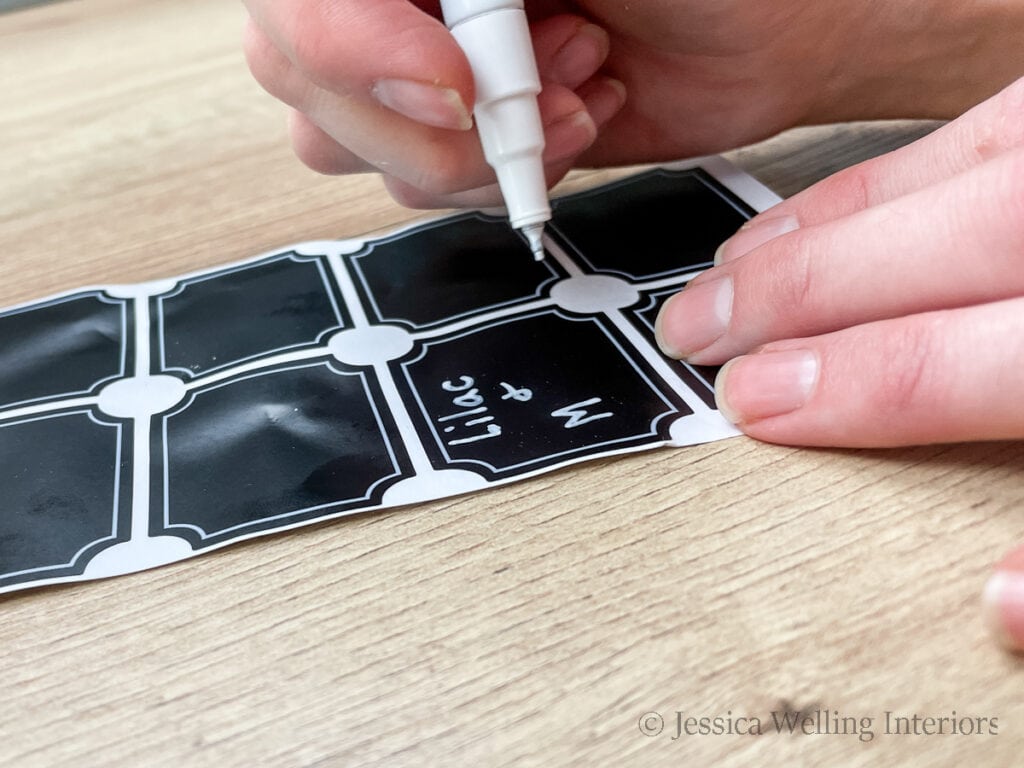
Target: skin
698,77
903,279
883,306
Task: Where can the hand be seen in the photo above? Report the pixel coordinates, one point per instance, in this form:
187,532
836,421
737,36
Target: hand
380,85
883,306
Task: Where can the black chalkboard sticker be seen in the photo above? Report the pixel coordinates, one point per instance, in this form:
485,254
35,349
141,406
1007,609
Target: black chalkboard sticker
211,322
534,391
272,448
143,424
650,225
64,347
65,495
449,270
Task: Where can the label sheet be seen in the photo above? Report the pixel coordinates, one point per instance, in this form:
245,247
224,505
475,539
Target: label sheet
144,424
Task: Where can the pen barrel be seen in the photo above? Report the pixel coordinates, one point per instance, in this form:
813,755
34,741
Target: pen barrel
514,153
500,53
457,11
495,37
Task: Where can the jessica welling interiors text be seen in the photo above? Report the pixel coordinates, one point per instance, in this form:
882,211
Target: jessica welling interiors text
819,722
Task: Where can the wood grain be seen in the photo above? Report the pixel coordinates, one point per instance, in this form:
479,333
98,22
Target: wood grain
530,625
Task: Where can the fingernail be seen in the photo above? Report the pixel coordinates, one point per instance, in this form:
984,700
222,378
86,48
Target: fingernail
605,100
424,103
568,136
753,234
1003,605
579,57
766,384
694,319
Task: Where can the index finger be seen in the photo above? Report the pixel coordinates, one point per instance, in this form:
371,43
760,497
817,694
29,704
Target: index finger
981,134
347,46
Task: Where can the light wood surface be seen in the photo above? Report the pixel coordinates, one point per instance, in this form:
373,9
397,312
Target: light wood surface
529,625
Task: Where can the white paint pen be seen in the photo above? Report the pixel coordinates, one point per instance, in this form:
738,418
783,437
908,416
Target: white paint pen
495,37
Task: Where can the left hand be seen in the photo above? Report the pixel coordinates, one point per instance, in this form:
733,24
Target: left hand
883,306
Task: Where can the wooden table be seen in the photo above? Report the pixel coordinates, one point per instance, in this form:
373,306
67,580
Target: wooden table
529,625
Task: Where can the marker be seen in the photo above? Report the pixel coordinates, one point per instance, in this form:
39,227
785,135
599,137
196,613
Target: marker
495,37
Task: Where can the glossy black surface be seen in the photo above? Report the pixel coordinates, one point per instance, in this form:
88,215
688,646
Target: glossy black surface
448,270
65,493
471,392
63,347
655,224
247,312
265,450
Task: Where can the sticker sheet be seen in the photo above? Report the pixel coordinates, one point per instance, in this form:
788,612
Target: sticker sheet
144,424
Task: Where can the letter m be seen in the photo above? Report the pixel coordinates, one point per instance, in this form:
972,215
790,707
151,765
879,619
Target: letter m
576,415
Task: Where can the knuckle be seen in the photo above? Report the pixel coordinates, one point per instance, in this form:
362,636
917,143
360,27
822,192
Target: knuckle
315,53
272,69
1013,197
407,195
794,285
310,157
1001,185
320,162
313,148
252,41
1004,128
852,188
442,172
804,286
906,379
260,55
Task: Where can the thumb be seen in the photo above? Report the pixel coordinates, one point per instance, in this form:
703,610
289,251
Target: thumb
1003,601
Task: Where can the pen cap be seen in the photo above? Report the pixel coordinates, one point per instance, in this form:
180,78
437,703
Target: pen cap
457,11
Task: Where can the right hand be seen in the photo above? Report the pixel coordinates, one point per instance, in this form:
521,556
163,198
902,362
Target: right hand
380,85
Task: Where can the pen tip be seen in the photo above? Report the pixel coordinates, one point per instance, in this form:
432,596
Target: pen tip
535,237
